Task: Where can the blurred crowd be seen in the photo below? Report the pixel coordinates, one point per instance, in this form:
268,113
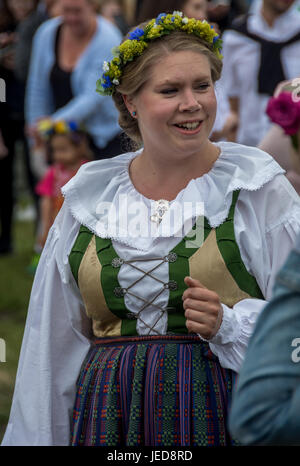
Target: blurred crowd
51,54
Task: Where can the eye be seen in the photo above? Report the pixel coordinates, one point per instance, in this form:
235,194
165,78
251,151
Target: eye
202,86
168,91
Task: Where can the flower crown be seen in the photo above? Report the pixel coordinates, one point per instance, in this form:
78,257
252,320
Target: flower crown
47,127
139,39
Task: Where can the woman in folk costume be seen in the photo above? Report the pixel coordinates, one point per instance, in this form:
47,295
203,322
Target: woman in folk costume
142,307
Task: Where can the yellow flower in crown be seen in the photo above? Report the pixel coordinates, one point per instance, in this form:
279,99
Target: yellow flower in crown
60,127
48,127
45,126
139,39
132,48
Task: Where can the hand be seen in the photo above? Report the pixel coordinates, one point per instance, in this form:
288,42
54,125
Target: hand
8,61
229,130
7,38
7,50
31,131
281,87
203,309
3,150
217,10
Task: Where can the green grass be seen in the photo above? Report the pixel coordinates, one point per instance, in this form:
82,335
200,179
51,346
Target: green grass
15,286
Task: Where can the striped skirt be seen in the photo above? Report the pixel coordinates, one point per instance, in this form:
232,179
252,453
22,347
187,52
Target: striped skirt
152,391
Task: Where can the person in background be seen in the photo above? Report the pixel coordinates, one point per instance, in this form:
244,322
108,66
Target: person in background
213,11
282,141
266,401
67,148
195,9
45,10
66,57
192,8
113,11
12,116
223,12
7,24
260,50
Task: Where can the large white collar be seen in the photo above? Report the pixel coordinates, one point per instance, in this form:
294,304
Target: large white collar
100,194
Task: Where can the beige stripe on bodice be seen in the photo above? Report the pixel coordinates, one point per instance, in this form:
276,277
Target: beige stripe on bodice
207,265
105,323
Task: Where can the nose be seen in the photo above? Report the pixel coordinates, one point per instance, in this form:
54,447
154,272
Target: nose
189,102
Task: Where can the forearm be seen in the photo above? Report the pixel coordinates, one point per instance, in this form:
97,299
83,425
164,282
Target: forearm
231,125
79,108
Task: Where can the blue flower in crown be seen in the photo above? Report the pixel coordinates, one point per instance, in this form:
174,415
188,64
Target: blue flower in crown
106,83
73,126
136,34
160,18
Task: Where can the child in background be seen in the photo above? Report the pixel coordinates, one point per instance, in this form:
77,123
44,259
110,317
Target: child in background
68,149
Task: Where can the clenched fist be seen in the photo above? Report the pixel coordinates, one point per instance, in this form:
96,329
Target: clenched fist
203,309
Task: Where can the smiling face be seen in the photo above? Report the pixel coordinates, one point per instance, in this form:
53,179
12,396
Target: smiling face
176,107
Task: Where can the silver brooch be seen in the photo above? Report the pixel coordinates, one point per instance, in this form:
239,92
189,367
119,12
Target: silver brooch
160,208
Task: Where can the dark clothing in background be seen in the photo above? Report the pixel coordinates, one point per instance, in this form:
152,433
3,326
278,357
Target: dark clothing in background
236,8
60,80
12,131
12,124
25,32
271,70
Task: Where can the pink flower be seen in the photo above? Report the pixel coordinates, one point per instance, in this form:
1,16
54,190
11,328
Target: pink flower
285,112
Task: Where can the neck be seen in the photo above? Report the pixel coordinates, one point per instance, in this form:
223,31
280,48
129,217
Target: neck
162,178
269,14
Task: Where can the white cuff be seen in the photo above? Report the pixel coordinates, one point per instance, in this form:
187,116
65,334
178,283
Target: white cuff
229,330
231,342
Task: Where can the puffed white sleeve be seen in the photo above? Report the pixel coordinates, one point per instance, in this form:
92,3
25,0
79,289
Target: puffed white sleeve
267,222
55,342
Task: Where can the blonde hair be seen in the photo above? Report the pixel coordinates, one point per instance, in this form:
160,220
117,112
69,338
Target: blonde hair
137,72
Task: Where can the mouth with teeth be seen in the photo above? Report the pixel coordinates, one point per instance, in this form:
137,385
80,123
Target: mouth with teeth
189,127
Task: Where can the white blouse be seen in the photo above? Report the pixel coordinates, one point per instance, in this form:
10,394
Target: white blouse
57,333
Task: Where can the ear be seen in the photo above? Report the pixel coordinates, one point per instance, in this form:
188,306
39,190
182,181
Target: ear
128,101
